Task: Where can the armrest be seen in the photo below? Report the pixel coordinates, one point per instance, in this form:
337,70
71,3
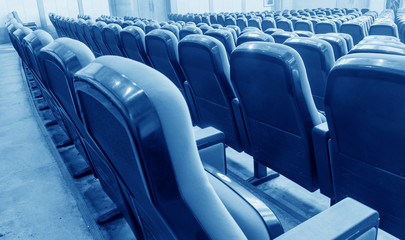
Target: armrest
189,95
240,123
211,147
347,219
320,138
254,217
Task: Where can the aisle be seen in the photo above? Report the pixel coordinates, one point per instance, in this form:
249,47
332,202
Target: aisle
35,199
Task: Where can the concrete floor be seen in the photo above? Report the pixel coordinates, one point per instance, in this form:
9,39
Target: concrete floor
35,198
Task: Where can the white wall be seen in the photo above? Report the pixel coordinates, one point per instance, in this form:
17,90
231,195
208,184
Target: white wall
67,8
227,6
256,5
188,6
26,9
96,8
377,5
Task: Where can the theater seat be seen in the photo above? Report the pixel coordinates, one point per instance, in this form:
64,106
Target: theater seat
286,25
338,44
307,34
268,23
280,37
325,27
90,38
187,30
133,44
355,29
304,25
364,107
151,26
206,66
225,38
318,59
172,28
275,95
347,37
242,23
395,48
111,37
168,193
384,28
254,36
98,36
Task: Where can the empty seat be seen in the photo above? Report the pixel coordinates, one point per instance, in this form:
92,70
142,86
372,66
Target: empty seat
268,23
384,28
285,24
205,28
242,23
251,29
90,38
273,30
338,44
206,66
254,36
280,37
319,59
364,107
304,25
236,28
133,44
381,38
390,47
325,27
255,22
216,26
347,37
304,33
111,36
161,47
151,26
187,30
230,21
355,29
280,113
225,37
140,24
172,28
169,194
233,32
97,34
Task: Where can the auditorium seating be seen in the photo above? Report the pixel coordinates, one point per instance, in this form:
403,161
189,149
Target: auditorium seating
112,39
187,30
280,111
98,36
254,36
325,27
318,59
225,38
363,101
338,44
280,37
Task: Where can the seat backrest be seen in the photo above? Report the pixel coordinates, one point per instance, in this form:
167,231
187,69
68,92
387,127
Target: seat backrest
90,38
161,46
389,47
206,66
285,24
304,33
144,128
111,37
133,44
172,28
187,30
355,29
304,25
19,35
151,26
33,43
364,110
279,110
319,59
225,37
388,28
140,24
280,37
255,22
254,36
78,24
230,21
325,27
338,44
98,37
241,22
347,37
268,22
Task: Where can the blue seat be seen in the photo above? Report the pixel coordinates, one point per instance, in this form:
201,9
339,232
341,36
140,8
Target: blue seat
90,38
242,23
355,29
254,36
205,28
206,66
318,59
270,31
98,37
19,35
233,32
251,29
187,30
133,44
216,26
280,37
304,33
161,46
112,39
268,22
364,108
325,27
395,48
213,19
172,28
140,24
280,113
160,186
151,26
338,44
225,37
285,24
221,19
347,37
304,25
388,28
230,21
255,22
236,28
380,38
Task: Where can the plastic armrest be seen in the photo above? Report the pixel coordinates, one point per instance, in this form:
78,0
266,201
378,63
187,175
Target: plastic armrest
211,147
320,138
254,217
189,95
208,136
347,219
240,123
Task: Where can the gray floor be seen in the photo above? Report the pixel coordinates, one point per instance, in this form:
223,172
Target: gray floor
35,198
